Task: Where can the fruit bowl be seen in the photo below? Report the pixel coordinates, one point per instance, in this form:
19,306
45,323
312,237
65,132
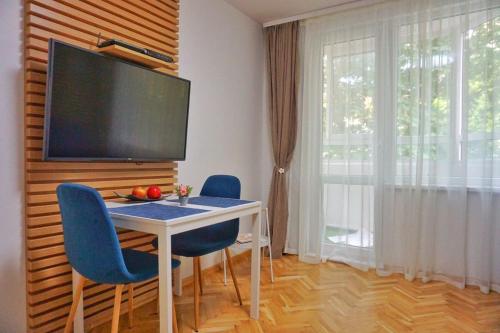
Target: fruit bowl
134,198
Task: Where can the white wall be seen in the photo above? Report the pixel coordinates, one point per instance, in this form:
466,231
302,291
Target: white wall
222,53
12,274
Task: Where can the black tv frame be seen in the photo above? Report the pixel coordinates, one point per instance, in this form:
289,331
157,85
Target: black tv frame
48,101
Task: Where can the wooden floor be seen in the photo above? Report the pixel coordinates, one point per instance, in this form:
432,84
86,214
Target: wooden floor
328,298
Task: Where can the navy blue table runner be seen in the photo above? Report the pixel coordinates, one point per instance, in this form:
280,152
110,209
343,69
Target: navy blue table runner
215,201
157,211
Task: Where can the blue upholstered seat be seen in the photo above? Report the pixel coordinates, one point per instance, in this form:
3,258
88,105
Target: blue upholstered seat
198,242
91,243
142,265
183,246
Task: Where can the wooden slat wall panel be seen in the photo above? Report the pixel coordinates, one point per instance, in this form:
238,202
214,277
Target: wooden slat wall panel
149,23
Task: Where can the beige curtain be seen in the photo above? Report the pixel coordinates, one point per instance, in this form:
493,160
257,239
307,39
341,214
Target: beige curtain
281,66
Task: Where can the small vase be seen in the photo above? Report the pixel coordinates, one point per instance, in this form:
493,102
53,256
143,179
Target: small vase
183,201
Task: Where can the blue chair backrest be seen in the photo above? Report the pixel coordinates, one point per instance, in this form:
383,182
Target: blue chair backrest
223,186
90,239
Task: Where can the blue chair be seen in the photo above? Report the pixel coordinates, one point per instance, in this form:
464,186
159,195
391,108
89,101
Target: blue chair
93,249
198,242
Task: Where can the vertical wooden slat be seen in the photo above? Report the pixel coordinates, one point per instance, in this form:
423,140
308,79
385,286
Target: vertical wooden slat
151,23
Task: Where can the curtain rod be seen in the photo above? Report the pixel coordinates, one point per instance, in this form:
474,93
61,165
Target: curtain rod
325,11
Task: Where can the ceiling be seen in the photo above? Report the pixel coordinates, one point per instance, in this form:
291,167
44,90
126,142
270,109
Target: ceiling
264,11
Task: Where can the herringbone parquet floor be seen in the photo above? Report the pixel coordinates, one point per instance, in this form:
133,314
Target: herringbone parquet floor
328,297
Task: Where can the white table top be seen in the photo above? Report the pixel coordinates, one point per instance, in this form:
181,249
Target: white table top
209,211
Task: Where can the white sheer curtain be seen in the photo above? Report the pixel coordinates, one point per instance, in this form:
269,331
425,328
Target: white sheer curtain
398,165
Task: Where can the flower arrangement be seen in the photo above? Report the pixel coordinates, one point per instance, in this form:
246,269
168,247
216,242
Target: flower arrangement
183,190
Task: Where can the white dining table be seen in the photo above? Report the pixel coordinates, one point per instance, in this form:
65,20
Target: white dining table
165,228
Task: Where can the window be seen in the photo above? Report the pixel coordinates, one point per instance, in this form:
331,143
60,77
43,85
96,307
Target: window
348,134
348,88
480,139
447,102
444,116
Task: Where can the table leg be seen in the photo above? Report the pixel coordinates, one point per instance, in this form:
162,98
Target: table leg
78,324
165,280
255,275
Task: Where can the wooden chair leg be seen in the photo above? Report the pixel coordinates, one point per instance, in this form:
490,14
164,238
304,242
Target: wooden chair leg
76,299
200,275
174,319
116,308
158,300
196,293
224,266
230,264
130,305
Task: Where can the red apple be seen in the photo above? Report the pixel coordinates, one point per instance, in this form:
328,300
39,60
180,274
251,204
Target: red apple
139,192
154,192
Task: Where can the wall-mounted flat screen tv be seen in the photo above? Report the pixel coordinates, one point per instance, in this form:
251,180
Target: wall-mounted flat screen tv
100,107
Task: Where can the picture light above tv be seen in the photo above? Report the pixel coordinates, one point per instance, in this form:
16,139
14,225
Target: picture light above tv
100,107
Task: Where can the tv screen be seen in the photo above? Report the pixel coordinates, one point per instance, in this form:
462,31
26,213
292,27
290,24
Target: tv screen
103,108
